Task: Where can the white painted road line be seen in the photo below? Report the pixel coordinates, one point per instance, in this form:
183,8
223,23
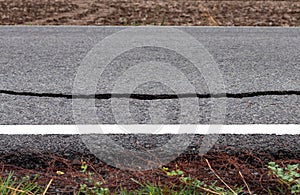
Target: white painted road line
153,129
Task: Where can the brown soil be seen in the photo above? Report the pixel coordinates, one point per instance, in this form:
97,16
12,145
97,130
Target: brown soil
253,168
150,12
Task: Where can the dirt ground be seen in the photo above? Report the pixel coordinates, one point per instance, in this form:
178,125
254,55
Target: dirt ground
253,168
150,12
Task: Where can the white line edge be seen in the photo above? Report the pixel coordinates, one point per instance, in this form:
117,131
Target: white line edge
153,129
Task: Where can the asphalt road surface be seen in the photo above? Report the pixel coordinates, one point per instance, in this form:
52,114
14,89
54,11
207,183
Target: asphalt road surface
39,60
246,76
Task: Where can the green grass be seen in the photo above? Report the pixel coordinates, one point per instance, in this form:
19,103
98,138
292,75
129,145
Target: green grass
10,185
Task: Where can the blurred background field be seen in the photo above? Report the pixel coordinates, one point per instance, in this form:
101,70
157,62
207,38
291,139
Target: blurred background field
150,12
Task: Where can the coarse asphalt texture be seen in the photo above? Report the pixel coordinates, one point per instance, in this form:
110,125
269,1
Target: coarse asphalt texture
260,69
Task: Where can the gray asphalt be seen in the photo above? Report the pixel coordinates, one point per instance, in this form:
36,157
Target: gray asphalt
46,60
25,150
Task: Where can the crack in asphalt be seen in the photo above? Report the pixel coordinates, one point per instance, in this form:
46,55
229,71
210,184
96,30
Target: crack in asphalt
152,97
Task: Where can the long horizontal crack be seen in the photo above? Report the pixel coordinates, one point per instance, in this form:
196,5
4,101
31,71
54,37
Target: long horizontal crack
151,97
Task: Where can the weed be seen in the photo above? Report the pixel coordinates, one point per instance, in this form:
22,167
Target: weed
289,176
91,187
192,185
